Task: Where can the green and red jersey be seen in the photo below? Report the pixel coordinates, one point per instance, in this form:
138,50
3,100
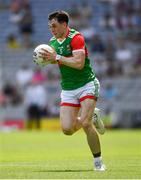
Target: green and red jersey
72,78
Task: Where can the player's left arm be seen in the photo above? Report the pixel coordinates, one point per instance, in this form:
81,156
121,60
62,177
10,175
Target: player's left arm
77,60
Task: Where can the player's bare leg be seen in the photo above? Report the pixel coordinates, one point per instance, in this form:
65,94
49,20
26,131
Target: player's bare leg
96,120
69,121
87,107
86,115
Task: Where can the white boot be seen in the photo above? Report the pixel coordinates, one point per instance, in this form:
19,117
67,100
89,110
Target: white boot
98,123
98,164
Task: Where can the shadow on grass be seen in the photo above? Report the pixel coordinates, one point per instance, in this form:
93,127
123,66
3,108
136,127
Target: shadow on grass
66,170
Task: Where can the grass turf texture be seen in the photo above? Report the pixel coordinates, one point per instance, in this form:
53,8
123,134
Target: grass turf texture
52,155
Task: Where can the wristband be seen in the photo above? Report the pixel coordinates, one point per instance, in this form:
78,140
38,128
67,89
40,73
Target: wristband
58,57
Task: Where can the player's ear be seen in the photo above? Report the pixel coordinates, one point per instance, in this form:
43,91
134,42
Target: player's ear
64,24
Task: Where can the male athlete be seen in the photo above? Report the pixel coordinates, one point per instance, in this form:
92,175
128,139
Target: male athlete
80,87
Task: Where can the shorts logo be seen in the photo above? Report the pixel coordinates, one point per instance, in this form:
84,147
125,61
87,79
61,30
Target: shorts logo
90,94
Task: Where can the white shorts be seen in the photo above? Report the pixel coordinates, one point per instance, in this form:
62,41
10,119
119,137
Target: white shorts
75,97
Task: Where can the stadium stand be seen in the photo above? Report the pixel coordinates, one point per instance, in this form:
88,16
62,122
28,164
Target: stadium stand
124,76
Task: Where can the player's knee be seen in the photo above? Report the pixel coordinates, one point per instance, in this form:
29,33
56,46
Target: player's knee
86,125
68,132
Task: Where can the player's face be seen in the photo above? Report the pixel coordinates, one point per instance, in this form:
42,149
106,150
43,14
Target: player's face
57,29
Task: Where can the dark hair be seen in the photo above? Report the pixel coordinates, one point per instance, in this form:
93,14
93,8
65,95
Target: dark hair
60,16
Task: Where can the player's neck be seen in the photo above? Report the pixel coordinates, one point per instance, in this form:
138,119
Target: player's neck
64,36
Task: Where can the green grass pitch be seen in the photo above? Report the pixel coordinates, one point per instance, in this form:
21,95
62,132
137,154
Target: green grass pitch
52,155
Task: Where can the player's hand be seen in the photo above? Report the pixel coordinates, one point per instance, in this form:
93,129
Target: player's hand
48,56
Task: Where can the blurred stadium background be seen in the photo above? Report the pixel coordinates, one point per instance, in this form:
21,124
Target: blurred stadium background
112,29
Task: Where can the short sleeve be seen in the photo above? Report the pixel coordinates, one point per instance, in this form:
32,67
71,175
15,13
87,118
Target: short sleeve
78,42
